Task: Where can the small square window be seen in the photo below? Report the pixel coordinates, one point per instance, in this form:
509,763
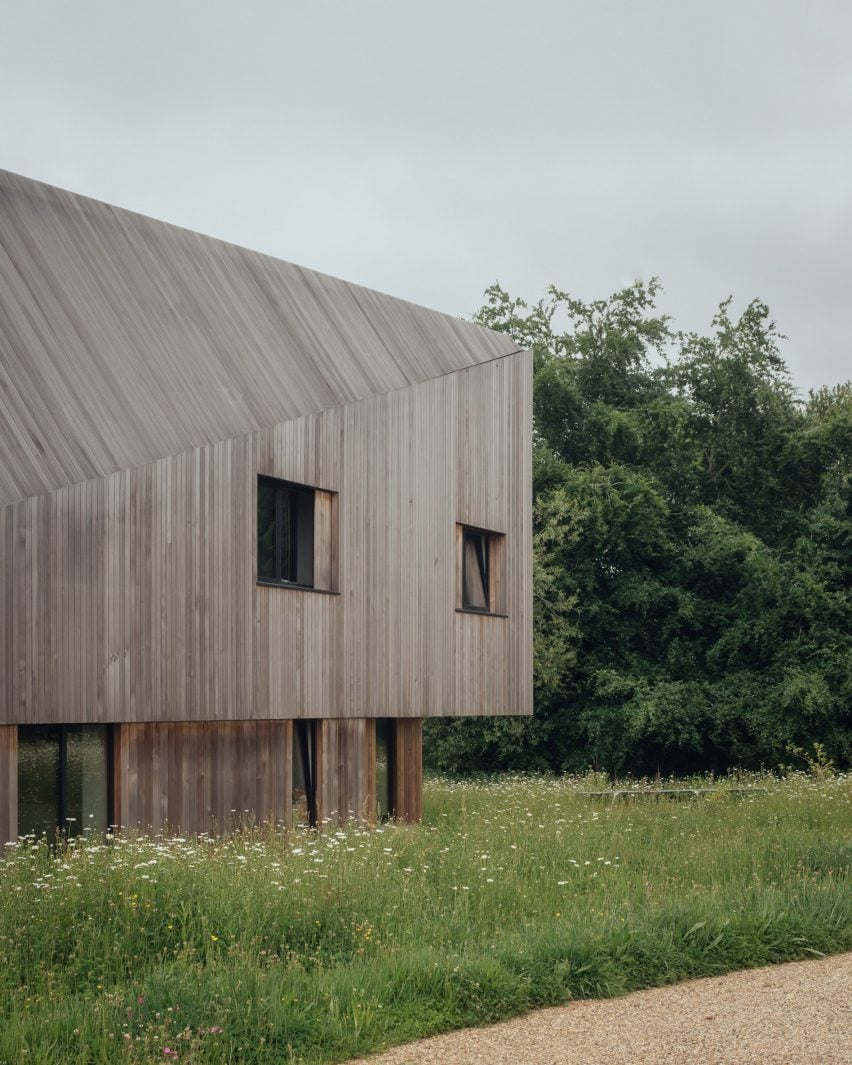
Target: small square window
285,533
481,562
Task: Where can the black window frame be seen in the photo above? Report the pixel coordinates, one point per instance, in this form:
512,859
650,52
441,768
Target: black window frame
304,497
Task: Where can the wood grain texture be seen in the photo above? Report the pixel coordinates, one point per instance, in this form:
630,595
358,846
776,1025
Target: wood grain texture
407,784
345,767
132,597
210,776
8,784
124,340
203,776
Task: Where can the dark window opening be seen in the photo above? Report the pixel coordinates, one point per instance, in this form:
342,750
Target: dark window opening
475,560
385,768
285,533
304,773
64,779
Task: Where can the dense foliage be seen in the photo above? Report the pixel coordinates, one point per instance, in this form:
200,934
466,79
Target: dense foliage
692,541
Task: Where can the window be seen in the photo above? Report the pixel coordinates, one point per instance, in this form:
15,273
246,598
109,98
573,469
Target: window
64,779
385,768
296,536
481,571
304,765
285,533
475,570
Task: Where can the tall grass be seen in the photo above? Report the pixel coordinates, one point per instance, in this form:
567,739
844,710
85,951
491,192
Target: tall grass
512,894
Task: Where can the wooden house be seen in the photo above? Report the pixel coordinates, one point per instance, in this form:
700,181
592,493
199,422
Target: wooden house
256,524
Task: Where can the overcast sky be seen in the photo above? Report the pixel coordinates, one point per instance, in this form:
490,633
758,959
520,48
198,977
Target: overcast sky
429,149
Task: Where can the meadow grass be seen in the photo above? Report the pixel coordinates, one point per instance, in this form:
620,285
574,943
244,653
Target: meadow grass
513,894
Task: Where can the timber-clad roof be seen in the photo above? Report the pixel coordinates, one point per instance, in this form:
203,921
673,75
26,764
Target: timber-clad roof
124,340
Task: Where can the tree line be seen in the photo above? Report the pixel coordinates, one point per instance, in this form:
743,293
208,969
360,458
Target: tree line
692,541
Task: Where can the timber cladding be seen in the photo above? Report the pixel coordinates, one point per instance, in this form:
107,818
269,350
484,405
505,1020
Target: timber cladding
345,768
219,775
407,781
133,597
203,776
214,776
125,339
159,392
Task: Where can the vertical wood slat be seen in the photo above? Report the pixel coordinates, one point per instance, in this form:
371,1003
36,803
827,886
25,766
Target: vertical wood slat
134,599
95,591
273,768
325,766
8,784
203,776
497,574
343,761
126,339
325,544
407,786
127,579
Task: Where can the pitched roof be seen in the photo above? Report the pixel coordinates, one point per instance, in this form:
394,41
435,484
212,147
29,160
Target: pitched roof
124,339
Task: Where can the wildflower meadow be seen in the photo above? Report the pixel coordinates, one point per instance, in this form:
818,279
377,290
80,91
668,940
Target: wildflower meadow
316,947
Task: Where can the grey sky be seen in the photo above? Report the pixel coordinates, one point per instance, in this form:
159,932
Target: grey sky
427,150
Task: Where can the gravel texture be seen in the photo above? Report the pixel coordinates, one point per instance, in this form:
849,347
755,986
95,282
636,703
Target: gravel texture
781,1015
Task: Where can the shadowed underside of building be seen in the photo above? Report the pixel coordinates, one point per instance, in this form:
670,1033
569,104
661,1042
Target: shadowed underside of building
256,523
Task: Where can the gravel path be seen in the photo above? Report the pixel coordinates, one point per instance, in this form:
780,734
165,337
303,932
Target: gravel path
781,1015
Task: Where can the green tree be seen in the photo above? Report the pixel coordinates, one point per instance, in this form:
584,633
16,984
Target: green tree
692,540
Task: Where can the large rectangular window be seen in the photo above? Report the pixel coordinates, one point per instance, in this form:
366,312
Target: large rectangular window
285,533
64,779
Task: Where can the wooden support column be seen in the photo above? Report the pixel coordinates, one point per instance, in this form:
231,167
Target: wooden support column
118,777
345,765
8,783
407,786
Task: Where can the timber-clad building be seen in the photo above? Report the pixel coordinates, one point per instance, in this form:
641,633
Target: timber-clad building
256,524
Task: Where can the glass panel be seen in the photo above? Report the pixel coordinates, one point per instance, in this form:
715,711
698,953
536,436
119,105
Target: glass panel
265,530
304,808
285,533
87,780
475,571
301,814
38,780
286,539
384,752
303,537
41,773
